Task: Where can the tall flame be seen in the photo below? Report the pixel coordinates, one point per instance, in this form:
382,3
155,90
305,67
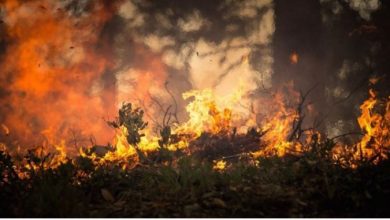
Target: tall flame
376,127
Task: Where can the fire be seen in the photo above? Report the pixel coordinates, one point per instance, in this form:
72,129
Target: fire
209,114
123,150
56,96
59,72
374,145
376,140
61,156
55,67
294,58
42,157
206,115
219,165
52,72
278,127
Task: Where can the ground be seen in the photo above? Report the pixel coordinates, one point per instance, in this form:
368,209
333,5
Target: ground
308,185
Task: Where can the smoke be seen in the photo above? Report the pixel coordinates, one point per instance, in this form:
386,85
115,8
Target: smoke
216,54
51,72
67,66
196,50
364,7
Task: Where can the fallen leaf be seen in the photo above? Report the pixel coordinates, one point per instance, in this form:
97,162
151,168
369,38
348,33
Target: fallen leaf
368,195
107,195
301,202
218,203
207,195
233,188
247,188
189,209
119,203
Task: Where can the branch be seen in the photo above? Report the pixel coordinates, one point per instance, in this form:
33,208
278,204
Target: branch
346,134
297,128
174,101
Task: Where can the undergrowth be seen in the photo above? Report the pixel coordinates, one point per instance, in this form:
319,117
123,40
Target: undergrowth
177,184
309,185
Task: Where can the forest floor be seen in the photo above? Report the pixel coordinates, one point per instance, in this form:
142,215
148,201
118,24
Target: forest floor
306,185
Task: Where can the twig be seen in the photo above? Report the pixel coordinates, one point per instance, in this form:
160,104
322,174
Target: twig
364,80
174,101
147,113
234,155
297,129
346,134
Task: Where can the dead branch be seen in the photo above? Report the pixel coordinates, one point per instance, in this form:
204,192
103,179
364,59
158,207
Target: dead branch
346,134
174,114
297,125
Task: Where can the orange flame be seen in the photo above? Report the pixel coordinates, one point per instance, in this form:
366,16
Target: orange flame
376,127
294,58
55,68
53,72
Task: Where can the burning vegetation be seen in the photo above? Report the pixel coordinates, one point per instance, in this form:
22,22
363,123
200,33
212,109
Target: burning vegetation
209,149
217,133
85,134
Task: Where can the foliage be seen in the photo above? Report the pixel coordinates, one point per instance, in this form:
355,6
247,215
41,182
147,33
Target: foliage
174,184
309,185
132,119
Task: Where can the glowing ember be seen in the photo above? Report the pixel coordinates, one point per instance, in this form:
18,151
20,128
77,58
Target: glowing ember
219,165
294,58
